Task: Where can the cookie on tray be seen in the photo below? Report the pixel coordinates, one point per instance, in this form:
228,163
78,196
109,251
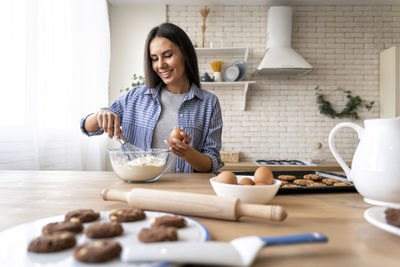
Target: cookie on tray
104,229
291,185
74,226
392,216
127,215
98,251
84,215
158,234
330,181
343,184
313,177
288,178
168,220
52,242
300,182
316,184
283,183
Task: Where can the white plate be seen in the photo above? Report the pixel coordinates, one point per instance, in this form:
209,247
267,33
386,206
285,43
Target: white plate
14,242
231,73
242,68
376,217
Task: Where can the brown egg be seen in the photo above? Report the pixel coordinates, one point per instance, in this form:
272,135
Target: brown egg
176,133
226,177
263,175
246,181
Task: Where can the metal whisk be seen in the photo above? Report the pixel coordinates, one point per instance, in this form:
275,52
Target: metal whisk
128,147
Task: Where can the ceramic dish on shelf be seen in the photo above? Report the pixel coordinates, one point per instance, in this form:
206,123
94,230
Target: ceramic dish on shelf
231,73
376,217
242,68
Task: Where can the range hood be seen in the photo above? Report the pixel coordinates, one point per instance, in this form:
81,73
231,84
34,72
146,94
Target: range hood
280,58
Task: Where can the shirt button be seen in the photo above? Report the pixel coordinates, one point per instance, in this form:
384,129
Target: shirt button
181,115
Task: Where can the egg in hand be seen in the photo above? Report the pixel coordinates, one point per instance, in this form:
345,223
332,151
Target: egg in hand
263,176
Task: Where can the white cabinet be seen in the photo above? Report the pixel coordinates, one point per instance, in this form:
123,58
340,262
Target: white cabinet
226,52
389,82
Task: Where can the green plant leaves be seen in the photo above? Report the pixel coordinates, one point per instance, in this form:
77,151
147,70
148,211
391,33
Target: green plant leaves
350,109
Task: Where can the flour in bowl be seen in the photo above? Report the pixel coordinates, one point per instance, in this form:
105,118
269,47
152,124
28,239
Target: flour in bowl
139,169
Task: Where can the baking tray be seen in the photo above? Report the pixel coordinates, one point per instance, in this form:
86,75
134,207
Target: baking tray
310,189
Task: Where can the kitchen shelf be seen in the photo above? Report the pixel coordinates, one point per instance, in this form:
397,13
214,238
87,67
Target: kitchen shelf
226,51
245,85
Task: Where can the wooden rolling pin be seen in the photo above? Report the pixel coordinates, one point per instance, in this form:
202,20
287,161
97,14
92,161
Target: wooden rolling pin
201,205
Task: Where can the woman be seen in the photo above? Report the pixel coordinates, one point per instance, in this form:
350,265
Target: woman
171,97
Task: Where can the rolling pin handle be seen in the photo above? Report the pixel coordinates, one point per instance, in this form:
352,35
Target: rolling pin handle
110,194
269,212
103,194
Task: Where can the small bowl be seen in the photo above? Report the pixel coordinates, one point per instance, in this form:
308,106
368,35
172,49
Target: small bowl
139,167
255,194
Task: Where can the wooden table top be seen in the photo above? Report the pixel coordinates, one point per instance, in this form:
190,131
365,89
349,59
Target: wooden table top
29,195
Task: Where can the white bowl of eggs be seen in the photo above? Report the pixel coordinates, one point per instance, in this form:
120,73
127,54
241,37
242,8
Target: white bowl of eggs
258,189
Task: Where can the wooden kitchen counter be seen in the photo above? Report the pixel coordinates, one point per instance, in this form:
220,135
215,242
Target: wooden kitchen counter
31,195
252,166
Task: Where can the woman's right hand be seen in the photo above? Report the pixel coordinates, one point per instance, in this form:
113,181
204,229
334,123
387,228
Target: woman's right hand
109,122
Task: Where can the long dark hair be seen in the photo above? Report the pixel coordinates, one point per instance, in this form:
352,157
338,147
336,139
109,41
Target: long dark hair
180,38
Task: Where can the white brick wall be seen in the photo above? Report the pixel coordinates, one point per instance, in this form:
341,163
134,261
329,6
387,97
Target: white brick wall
282,120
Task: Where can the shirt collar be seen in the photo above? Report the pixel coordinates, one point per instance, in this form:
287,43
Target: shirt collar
194,91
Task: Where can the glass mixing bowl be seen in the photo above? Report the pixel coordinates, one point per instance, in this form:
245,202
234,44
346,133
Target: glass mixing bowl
141,166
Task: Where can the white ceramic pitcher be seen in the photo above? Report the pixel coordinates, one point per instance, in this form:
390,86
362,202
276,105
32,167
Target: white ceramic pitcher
375,169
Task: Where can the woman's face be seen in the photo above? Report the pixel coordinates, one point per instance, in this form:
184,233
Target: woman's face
167,61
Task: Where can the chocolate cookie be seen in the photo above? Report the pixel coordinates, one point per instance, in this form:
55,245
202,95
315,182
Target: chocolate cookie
330,181
313,177
393,216
158,234
127,215
74,226
167,220
103,230
84,215
97,251
52,242
287,177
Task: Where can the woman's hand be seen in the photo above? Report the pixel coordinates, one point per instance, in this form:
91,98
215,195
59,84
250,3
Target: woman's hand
109,122
180,147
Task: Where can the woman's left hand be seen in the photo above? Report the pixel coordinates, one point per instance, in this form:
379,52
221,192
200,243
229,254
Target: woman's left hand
180,147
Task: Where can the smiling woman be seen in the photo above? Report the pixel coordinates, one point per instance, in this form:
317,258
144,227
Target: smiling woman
171,97
56,54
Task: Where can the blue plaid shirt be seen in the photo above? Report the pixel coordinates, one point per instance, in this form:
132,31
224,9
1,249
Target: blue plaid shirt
199,116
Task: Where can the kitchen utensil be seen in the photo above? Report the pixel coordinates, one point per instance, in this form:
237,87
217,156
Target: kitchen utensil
14,242
202,205
375,167
255,194
376,217
239,252
139,166
231,73
128,147
217,77
216,66
242,69
206,78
